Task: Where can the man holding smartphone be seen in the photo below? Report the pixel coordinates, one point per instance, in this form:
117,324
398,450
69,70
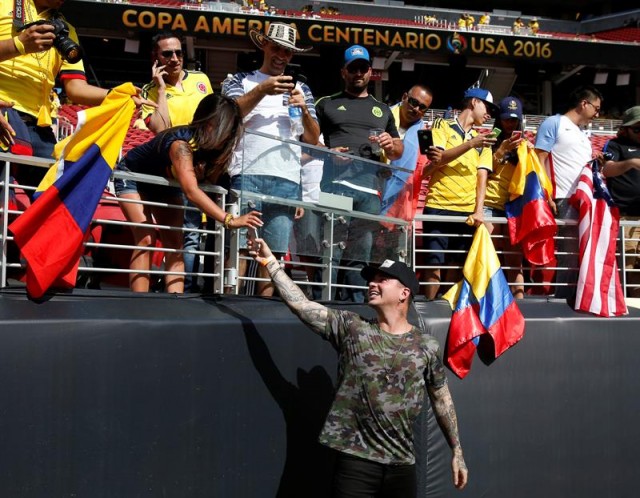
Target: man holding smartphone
266,166
460,163
177,92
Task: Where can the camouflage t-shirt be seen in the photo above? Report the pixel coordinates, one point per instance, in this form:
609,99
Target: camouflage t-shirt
381,387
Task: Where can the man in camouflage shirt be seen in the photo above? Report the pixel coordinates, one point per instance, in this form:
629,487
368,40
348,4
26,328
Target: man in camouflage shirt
384,366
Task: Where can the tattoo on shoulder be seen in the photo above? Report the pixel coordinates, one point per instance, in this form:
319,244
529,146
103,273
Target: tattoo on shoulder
184,149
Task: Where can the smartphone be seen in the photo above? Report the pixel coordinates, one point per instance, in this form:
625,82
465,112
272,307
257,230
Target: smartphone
516,135
293,70
494,133
425,140
252,234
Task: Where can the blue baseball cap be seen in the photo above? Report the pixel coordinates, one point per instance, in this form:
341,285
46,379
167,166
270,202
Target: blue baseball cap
354,53
510,107
485,96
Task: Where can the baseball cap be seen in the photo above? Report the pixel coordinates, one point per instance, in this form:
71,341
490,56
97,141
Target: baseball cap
510,107
631,116
354,53
485,96
394,269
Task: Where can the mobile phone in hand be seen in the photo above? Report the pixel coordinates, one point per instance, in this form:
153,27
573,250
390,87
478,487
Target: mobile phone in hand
293,70
494,133
252,235
516,135
425,140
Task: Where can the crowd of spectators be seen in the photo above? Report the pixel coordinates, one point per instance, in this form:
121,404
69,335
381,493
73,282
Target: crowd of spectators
463,172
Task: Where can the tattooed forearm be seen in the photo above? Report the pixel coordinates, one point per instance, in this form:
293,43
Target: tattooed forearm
445,414
312,313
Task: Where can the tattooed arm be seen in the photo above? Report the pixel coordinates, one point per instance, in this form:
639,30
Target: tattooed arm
445,414
310,312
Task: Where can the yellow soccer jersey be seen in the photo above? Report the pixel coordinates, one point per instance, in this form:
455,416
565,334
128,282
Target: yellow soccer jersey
27,80
182,103
498,185
453,185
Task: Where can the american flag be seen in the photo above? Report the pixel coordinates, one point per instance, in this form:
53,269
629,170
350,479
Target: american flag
599,290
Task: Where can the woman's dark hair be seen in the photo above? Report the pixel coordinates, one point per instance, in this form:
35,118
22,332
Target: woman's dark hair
217,126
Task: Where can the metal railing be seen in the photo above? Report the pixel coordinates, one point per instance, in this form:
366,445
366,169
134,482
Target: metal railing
316,253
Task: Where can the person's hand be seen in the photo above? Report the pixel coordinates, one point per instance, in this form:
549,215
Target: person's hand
481,140
476,219
297,99
139,100
385,141
6,130
259,250
157,75
252,219
552,205
510,144
341,159
459,470
37,38
434,154
299,213
276,85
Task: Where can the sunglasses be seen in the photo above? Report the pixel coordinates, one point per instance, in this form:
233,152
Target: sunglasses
595,107
418,105
358,68
167,54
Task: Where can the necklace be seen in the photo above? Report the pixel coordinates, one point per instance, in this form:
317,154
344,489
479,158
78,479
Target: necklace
388,369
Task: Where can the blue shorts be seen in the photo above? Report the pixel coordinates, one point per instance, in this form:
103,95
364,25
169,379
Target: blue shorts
440,243
146,190
278,219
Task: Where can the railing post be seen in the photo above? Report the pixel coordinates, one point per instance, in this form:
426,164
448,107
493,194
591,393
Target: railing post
623,257
5,221
219,263
327,254
231,271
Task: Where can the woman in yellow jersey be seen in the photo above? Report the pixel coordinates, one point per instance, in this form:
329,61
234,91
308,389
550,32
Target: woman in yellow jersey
505,160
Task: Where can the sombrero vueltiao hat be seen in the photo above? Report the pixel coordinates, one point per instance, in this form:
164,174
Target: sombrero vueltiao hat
281,34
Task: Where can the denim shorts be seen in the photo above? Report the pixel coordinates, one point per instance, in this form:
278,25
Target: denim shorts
148,190
490,212
278,219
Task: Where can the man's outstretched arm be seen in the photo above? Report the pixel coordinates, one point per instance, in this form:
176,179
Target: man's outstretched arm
447,419
311,313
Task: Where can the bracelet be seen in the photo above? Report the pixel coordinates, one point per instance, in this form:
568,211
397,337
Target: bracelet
271,258
227,219
19,45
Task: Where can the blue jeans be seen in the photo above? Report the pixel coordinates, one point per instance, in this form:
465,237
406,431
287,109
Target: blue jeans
192,219
278,219
357,236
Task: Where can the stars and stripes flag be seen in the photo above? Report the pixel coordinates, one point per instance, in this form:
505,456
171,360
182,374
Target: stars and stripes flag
598,289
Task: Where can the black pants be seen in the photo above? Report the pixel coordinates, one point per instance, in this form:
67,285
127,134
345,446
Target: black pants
358,478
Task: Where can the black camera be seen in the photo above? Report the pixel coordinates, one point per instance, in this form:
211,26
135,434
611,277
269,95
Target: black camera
68,49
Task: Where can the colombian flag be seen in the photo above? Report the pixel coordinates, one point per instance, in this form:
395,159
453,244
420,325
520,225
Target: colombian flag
485,315
531,222
51,231
401,190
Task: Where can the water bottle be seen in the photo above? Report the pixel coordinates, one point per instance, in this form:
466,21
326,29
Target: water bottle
295,121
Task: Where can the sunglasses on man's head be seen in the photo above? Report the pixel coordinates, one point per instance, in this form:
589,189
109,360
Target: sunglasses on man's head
167,54
416,103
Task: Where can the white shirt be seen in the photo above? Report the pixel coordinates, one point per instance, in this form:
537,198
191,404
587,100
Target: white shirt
569,151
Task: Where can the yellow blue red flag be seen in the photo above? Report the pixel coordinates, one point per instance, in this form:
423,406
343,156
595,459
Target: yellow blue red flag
531,221
485,316
51,231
